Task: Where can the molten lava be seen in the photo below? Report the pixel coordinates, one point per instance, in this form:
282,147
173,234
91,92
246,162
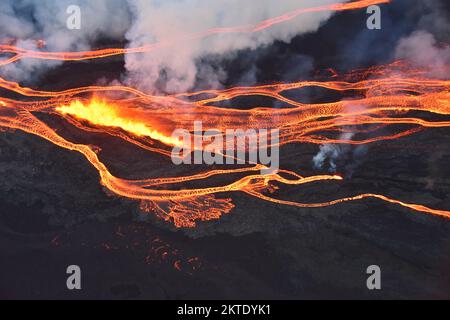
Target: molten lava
101,113
389,95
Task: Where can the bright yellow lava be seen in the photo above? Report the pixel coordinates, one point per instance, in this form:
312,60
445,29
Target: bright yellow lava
101,113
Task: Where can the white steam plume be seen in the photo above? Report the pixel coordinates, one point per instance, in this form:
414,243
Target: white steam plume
141,22
422,49
31,20
180,64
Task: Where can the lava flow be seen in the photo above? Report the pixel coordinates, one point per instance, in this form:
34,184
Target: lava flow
384,98
101,113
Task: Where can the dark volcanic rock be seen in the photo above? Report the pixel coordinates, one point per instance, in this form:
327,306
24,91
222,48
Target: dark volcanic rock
54,213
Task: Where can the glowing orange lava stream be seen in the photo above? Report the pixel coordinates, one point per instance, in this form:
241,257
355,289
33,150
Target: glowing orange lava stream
384,98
